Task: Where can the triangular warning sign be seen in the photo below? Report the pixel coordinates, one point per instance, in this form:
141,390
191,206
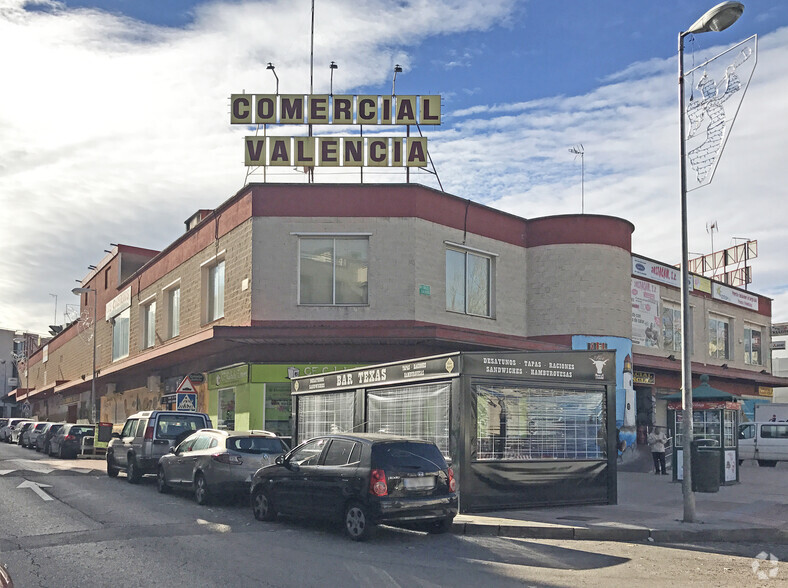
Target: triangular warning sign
186,385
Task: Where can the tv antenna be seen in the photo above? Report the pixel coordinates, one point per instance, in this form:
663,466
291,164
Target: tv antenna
579,150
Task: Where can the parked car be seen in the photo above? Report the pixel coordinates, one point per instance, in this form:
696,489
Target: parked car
21,432
361,480
212,462
44,439
71,439
3,423
765,442
12,429
28,438
5,432
148,435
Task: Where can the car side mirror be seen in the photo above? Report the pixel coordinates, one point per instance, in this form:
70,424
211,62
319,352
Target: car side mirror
116,435
280,460
172,449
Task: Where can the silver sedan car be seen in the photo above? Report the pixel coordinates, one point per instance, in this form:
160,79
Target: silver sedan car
211,462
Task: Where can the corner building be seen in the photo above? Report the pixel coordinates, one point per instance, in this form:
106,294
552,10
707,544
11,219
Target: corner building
309,278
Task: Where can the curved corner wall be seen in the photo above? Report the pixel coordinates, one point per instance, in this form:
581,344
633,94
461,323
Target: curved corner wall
579,270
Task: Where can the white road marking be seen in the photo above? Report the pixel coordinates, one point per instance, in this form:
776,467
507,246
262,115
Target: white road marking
36,487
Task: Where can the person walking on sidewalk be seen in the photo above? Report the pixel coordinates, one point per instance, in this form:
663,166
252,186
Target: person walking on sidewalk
656,442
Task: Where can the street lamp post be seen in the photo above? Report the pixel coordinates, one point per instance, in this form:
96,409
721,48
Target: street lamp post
716,19
79,291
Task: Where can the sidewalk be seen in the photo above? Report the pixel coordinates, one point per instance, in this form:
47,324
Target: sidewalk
650,508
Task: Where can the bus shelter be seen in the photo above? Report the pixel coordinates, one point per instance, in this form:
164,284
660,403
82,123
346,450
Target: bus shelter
519,428
715,425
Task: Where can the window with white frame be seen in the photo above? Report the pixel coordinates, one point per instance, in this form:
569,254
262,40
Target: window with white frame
333,270
469,282
672,326
719,337
149,324
173,312
752,345
215,309
120,335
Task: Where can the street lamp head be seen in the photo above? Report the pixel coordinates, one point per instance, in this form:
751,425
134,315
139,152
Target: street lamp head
79,291
717,19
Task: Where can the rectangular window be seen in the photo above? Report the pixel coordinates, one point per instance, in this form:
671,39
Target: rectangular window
216,292
719,339
671,328
325,413
173,313
278,408
120,335
752,346
226,410
149,325
515,423
413,411
468,283
333,271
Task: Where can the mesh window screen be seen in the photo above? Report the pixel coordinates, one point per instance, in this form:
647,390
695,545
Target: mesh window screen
415,411
537,423
324,413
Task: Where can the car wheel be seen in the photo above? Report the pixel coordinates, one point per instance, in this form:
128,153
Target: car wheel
133,473
201,494
112,469
440,527
161,482
60,451
357,523
262,507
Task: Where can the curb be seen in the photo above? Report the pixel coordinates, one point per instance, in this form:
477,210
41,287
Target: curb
622,534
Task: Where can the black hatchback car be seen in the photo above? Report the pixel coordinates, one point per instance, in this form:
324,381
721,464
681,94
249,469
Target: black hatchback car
71,439
361,480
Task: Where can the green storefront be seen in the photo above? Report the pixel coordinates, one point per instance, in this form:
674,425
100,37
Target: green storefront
257,395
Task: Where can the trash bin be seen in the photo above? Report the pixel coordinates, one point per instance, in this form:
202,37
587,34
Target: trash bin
706,465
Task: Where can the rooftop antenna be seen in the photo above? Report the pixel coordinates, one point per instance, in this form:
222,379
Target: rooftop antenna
710,228
331,68
579,150
397,69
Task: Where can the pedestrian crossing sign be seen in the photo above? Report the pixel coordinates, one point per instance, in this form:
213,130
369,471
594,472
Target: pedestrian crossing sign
186,402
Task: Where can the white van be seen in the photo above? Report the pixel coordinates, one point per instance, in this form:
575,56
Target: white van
766,442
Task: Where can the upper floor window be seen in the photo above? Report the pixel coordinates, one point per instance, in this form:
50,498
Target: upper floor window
173,312
468,282
752,346
149,325
120,335
719,339
333,270
672,328
215,292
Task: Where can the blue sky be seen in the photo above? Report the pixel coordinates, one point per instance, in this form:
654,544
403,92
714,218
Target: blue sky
116,129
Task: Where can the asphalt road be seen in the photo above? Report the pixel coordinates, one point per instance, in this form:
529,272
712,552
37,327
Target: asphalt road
81,528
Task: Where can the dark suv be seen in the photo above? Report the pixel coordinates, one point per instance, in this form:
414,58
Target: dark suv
362,480
148,435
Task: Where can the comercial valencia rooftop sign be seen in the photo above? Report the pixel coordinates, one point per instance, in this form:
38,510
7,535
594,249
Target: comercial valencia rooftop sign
335,110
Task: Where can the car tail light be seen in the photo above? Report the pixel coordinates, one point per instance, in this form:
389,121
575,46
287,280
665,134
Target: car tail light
148,433
69,438
227,458
377,483
452,481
